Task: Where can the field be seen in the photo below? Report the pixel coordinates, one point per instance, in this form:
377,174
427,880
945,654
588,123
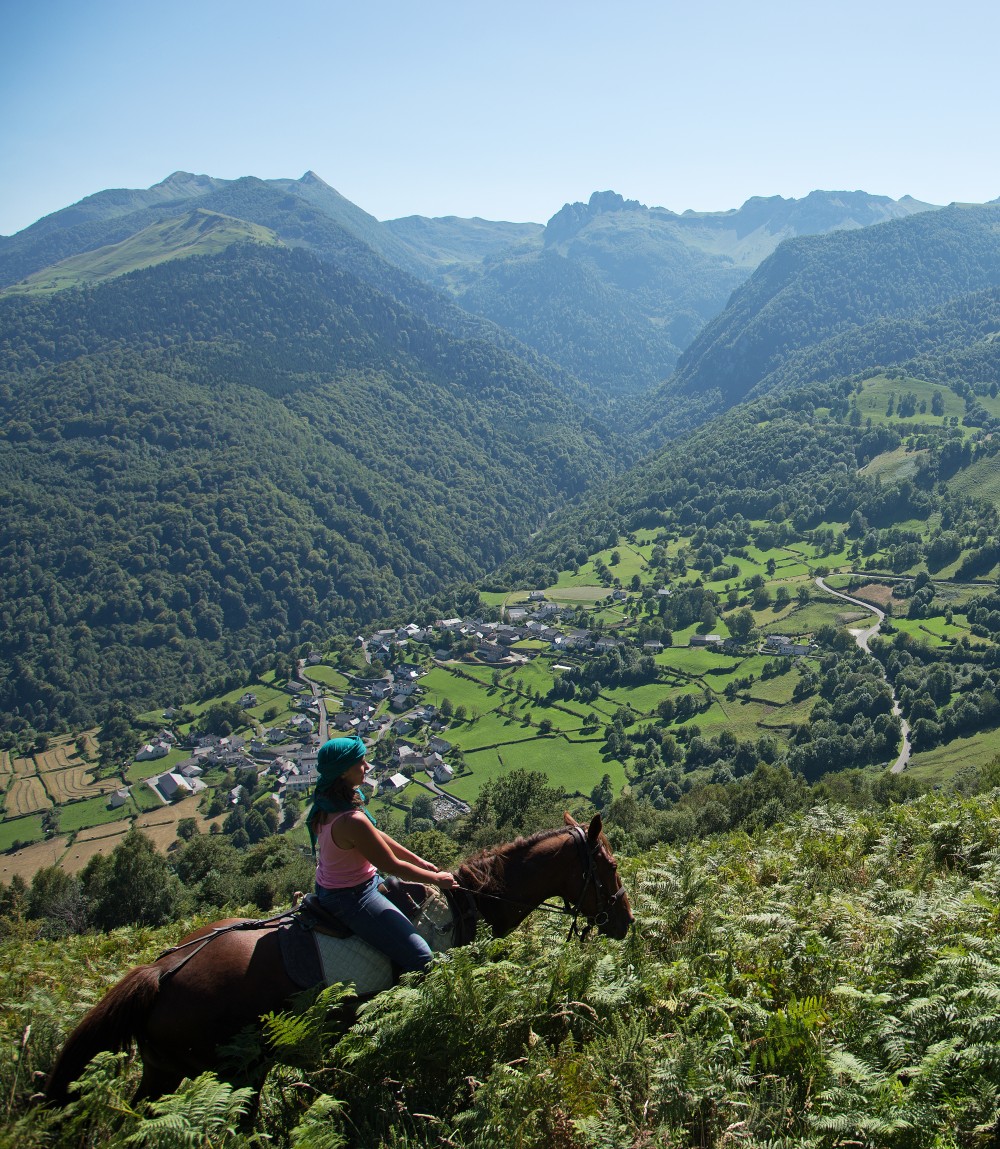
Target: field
945,762
981,480
72,853
577,767
327,676
873,402
895,466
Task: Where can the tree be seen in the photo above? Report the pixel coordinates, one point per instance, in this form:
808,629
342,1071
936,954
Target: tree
741,624
521,802
134,886
55,898
603,793
187,828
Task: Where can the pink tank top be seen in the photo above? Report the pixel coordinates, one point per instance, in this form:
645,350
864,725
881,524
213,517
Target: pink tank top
338,869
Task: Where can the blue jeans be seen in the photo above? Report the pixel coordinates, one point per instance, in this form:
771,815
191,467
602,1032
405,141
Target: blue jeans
377,921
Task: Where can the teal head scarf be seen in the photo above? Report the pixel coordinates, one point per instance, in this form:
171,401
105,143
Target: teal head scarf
336,757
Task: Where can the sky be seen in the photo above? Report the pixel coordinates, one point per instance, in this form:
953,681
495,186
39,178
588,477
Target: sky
505,110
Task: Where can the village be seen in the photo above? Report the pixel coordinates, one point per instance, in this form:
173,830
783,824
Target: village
389,708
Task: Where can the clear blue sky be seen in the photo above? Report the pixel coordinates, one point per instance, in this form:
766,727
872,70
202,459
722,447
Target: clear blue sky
503,110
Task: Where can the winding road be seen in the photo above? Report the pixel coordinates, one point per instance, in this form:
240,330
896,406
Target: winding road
863,636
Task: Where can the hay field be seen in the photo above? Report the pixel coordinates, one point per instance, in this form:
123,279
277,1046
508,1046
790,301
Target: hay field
75,782
158,825
25,794
26,861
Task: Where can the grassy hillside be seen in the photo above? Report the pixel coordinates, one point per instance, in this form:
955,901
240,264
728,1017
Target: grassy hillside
197,233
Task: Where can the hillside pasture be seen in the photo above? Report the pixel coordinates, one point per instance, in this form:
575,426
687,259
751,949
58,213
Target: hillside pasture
577,766
327,676
576,594
442,683
944,763
25,861
641,700
776,691
89,813
980,481
895,466
873,402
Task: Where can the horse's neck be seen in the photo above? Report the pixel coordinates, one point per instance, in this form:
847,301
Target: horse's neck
524,879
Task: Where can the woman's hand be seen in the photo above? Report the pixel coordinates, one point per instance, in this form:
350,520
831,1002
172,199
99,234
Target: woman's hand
445,880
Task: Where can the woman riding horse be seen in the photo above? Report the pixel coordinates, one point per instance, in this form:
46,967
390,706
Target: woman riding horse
194,998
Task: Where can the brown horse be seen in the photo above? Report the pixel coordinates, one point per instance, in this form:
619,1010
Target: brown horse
180,1008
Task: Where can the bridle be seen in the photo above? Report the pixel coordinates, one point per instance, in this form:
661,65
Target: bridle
588,855
588,858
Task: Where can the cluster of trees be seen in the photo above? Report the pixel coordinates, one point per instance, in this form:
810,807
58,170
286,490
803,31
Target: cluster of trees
944,694
621,666
207,461
137,885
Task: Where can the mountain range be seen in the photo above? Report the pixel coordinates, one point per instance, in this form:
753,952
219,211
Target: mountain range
238,414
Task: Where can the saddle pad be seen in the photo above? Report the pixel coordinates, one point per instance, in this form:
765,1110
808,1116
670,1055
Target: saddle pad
311,957
353,961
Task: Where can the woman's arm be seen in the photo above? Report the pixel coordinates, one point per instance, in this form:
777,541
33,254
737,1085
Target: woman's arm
381,851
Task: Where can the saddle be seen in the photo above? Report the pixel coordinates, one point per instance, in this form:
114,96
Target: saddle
317,947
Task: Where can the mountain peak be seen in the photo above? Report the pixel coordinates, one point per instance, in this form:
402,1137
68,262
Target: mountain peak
572,217
312,178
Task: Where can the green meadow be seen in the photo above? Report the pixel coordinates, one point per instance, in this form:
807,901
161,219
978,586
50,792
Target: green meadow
945,762
329,677
578,767
873,401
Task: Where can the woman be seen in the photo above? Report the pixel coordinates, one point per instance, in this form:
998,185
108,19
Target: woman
351,852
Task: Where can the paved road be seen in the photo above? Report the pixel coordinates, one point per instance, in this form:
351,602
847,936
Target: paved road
863,636
319,698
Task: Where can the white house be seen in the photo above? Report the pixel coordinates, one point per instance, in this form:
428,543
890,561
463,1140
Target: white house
158,749
396,782
118,797
305,781
443,772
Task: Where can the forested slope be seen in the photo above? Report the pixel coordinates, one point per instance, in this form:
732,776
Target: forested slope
839,304
614,291
220,456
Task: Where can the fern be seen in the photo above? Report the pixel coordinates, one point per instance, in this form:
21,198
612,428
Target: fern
203,1113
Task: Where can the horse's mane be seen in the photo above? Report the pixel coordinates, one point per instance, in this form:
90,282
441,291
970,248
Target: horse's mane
483,871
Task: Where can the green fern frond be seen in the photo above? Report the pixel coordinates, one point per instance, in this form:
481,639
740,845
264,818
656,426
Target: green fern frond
202,1112
319,1127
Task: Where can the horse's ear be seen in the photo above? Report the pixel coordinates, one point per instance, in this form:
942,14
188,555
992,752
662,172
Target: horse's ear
595,828
569,819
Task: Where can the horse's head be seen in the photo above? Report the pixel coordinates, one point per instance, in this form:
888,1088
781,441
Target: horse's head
601,898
